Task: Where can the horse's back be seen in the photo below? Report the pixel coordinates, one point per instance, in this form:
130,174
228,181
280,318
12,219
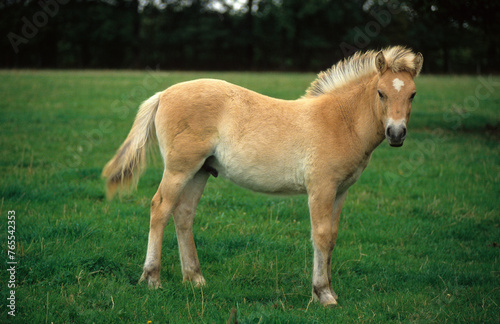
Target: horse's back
252,139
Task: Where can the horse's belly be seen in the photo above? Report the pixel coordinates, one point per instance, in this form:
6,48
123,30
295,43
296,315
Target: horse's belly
258,173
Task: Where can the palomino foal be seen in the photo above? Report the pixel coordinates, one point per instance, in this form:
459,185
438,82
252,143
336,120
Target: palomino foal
317,145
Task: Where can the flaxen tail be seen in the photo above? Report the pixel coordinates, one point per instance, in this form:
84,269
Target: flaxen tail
130,159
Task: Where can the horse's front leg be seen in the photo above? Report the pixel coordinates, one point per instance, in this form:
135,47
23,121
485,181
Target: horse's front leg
325,206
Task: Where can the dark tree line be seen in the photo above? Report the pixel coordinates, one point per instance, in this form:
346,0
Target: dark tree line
454,36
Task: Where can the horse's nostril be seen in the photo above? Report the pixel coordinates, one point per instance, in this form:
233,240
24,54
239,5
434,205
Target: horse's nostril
404,132
388,131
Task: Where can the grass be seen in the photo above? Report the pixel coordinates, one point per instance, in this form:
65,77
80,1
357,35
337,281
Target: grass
418,241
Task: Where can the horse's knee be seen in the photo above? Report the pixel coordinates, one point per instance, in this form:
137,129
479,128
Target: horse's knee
159,210
155,202
324,238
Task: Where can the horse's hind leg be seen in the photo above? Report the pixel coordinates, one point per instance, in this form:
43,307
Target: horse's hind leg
162,206
183,217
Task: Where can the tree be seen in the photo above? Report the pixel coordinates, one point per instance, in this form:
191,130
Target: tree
455,36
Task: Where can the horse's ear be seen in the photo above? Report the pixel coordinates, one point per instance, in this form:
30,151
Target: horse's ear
418,61
380,62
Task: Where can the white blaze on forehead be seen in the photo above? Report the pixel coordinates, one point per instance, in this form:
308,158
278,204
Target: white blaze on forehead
398,84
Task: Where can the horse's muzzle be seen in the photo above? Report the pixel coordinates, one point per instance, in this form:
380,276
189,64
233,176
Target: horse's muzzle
395,134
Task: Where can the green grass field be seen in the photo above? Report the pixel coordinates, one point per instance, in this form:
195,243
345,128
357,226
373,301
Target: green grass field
419,237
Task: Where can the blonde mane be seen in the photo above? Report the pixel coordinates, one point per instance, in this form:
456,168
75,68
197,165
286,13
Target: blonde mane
398,59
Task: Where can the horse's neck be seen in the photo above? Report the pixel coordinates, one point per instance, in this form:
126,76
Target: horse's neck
362,107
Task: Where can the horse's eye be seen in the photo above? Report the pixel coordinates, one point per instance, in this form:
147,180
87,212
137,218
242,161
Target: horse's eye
412,96
380,94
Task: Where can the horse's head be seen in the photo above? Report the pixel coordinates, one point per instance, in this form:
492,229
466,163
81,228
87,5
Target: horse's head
395,92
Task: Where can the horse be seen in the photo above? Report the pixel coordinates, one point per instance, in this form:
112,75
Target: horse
317,145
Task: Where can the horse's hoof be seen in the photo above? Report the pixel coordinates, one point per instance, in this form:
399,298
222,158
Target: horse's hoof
153,283
200,282
330,303
326,298
197,280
